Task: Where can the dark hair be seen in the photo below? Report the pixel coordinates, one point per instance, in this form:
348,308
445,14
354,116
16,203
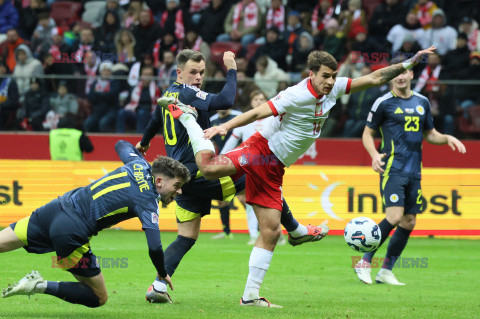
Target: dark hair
262,61
43,15
316,59
186,55
171,168
258,92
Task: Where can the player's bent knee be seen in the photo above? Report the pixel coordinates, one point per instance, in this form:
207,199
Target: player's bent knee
102,299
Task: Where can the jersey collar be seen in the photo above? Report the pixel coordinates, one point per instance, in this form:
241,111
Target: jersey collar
312,90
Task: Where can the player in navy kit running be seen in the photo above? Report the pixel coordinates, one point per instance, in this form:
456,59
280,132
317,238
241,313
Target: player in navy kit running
66,224
404,120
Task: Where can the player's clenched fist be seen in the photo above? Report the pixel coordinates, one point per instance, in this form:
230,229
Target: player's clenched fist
229,60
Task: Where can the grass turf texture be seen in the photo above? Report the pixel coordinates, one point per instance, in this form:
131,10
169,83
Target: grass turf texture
314,280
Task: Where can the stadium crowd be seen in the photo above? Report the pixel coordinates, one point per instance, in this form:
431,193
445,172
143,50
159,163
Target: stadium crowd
107,62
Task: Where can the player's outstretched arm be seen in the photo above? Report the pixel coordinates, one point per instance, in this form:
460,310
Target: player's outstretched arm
434,137
369,144
261,112
385,75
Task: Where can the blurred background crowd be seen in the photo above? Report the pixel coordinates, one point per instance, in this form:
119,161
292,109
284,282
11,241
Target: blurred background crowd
106,62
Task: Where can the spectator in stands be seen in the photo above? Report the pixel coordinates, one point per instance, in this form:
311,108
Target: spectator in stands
398,33
42,36
322,14
442,36
353,20
174,20
67,143
105,34
303,47
268,74
243,64
429,85
276,15
351,68
334,42
145,33
8,18
29,16
302,6
143,100
86,44
33,109
125,43
167,43
293,30
59,104
195,42
408,49
243,23
245,86
57,47
274,47
359,104
7,48
212,19
131,18
26,68
9,97
457,59
424,11
90,68
470,27
167,72
457,10
196,7
103,97
384,18
366,45
467,95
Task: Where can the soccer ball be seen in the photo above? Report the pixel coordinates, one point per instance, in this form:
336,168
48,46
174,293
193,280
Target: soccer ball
362,234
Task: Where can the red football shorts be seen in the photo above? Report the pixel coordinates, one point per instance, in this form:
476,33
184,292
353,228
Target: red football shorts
264,172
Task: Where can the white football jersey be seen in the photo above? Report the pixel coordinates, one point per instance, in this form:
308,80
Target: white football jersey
243,133
299,117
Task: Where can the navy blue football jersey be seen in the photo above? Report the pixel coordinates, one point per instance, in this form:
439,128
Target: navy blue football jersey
177,142
127,192
401,123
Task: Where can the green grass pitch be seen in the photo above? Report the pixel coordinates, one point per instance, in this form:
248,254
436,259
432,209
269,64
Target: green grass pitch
314,280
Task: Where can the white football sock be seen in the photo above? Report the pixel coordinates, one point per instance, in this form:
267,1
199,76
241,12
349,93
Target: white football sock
258,265
195,133
160,286
41,287
252,221
299,232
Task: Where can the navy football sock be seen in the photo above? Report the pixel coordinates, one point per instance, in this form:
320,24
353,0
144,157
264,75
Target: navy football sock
396,246
225,217
175,252
287,219
385,229
73,292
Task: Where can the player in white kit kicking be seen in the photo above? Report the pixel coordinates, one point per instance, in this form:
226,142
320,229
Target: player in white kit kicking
300,112
241,134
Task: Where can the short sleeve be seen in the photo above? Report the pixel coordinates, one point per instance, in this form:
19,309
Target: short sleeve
196,98
428,118
283,102
375,116
342,86
148,216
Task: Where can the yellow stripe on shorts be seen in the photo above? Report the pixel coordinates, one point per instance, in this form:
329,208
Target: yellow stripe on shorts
21,229
228,188
73,259
184,215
